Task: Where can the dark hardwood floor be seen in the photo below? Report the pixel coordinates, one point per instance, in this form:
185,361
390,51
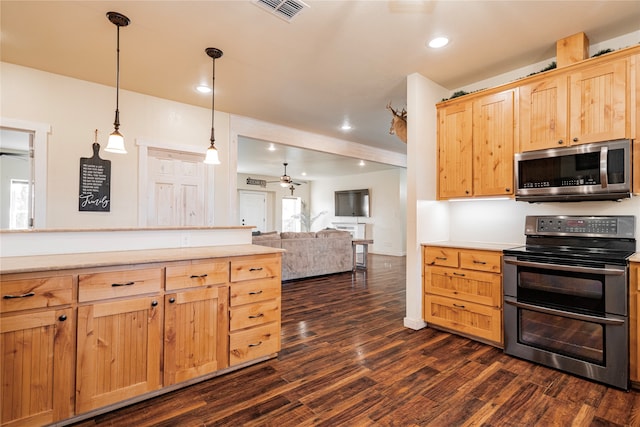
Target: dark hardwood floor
347,360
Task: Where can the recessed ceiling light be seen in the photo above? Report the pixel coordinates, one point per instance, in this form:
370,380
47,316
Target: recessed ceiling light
304,174
271,147
346,126
438,42
361,163
203,89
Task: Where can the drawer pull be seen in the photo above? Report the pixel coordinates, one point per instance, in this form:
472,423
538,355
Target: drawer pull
28,294
199,277
154,303
479,262
256,344
62,318
122,284
441,258
255,292
256,316
172,300
458,305
255,269
459,274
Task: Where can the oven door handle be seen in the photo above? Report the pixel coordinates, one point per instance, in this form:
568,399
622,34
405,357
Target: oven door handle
562,313
570,268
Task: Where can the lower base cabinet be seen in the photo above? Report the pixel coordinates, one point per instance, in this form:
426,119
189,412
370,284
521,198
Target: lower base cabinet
634,323
130,332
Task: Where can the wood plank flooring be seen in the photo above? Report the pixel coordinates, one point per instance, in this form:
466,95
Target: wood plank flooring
347,360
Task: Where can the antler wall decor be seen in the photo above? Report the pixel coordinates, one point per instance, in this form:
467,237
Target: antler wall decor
398,123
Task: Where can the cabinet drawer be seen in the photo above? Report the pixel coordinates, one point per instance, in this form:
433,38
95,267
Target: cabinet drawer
464,317
255,290
121,283
37,292
253,343
481,260
473,286
255,267
446,257
191,274
250,315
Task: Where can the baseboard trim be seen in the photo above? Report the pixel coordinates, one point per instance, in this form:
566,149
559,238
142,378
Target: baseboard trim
415,324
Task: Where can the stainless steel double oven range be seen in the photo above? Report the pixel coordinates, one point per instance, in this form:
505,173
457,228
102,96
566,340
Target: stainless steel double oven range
566,295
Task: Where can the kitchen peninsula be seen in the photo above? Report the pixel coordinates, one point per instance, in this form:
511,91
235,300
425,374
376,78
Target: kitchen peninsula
145,312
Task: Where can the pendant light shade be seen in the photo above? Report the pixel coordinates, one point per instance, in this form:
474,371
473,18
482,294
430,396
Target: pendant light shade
212,152
116,140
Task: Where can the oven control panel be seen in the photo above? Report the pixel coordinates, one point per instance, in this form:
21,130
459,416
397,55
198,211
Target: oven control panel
600,226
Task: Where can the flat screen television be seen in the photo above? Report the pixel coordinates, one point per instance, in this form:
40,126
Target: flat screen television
352,202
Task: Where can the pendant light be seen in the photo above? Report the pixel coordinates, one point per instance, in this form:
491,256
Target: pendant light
116,140
212,152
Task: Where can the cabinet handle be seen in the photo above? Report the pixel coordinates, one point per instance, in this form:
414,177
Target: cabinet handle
560,142
199,277
122,284
507,190
28,294
154,303
459,274
479,262
575,139
256,316
441,258
255,292
172,300
458,305
256,345
62,318
255,269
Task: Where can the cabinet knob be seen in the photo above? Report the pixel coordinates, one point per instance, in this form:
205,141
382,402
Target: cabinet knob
507,190
575,139
154,303
62,318
172,300
560,142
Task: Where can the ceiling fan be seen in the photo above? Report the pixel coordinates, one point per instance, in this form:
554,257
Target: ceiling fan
286,180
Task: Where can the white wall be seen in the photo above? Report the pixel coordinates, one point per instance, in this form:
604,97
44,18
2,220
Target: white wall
387,223
75,108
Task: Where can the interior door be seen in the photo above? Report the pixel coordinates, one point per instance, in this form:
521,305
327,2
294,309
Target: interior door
253,209
176,189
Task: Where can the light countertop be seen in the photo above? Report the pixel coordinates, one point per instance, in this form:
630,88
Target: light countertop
25,264
474,245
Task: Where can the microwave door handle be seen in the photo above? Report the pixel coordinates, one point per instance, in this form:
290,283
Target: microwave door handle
569,268
604,181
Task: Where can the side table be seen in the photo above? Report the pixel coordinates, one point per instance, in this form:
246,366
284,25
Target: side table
365,249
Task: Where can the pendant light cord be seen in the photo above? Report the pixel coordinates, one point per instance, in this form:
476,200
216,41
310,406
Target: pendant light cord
116,124
213,99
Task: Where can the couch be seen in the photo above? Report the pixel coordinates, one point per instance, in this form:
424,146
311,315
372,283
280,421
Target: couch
310,254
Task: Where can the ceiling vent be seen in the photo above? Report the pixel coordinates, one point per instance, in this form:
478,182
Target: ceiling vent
285,9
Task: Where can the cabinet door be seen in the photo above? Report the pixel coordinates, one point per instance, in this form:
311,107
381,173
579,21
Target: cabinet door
455,155
119,348
598,103
36,362
634,321
543,114
196,326
493,139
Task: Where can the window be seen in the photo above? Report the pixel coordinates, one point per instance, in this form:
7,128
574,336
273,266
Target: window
291,218
19,205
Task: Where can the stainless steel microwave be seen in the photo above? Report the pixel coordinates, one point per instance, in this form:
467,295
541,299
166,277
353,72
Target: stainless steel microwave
600,171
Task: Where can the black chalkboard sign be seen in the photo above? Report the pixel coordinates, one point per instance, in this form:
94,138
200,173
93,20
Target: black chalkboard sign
95,183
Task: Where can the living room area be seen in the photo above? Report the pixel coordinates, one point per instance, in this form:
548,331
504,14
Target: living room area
301,195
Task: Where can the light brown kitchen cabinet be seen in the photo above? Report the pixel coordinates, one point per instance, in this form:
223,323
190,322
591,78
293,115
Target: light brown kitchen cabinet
196,319
462,291
589,104
493,144
634,322
254,312
37,348
476,146
455,150
120,337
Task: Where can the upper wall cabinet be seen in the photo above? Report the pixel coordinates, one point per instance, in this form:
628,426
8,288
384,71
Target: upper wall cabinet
475,147
568,108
